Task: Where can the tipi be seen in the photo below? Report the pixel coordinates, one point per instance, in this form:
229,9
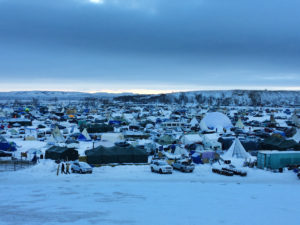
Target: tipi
236,150
239,124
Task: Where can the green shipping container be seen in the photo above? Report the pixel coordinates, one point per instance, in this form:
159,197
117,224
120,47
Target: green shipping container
277,159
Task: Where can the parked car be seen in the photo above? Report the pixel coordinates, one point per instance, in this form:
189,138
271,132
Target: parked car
5,154
81,167
183,166
161,167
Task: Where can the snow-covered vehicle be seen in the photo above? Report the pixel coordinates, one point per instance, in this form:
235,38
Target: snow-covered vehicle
183,166
161,167
81,167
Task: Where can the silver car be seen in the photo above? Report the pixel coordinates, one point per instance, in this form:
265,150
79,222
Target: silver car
81,167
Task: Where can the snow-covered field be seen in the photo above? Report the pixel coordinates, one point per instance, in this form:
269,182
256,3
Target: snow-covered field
134,195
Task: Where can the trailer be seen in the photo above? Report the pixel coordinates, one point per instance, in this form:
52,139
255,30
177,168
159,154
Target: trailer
277,159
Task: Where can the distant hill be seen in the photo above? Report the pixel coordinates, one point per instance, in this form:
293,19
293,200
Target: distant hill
224,98
60,95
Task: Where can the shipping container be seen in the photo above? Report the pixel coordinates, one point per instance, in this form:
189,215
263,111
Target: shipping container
277,159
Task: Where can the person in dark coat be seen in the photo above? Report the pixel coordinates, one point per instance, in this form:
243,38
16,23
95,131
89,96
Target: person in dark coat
34,160
67,168
63,168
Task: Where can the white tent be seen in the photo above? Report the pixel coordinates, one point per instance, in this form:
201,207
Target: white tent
217,120
194,122
210,141
295,120
191,139
180,151
57,136
203,126
30,134
296,137
86,135
112,137
239,124
236,150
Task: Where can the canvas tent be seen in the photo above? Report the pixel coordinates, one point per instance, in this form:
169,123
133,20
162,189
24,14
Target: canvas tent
166,140
239,124
112,137
30,134
57,136
84,136
194,122
61,153
296,137
236,150
277,142
116,154
188,139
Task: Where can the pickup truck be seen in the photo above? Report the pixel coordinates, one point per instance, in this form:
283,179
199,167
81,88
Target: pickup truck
161,167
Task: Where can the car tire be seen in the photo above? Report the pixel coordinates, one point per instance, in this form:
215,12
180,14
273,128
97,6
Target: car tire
152,170
72,170
181,169
80,171
160,171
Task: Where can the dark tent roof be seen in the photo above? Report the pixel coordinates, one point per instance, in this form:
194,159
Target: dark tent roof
116,154
61,153
276,142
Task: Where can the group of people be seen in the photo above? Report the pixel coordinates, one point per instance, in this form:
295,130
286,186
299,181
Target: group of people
64,168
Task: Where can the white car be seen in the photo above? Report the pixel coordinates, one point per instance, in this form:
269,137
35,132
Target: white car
161,167
81,167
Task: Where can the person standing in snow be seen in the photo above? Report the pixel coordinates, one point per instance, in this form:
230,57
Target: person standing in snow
58,169
67,168
62,168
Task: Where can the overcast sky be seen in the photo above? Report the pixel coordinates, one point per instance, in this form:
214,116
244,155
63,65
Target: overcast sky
149,45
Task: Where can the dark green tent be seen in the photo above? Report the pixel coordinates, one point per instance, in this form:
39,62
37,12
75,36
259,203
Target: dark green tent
276,142
116,154
61,153
96,127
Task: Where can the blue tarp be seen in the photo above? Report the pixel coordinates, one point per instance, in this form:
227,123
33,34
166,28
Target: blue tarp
114,122
8,146
196,158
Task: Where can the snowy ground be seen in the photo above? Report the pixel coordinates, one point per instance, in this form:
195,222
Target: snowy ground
134,195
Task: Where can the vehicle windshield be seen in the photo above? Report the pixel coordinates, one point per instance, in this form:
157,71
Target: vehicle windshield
84,165
162,163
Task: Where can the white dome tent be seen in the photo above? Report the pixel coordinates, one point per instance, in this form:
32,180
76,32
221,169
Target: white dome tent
216,120
236,150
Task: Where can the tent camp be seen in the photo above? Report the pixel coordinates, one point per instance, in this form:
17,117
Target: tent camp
61,153
236,150
116,154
